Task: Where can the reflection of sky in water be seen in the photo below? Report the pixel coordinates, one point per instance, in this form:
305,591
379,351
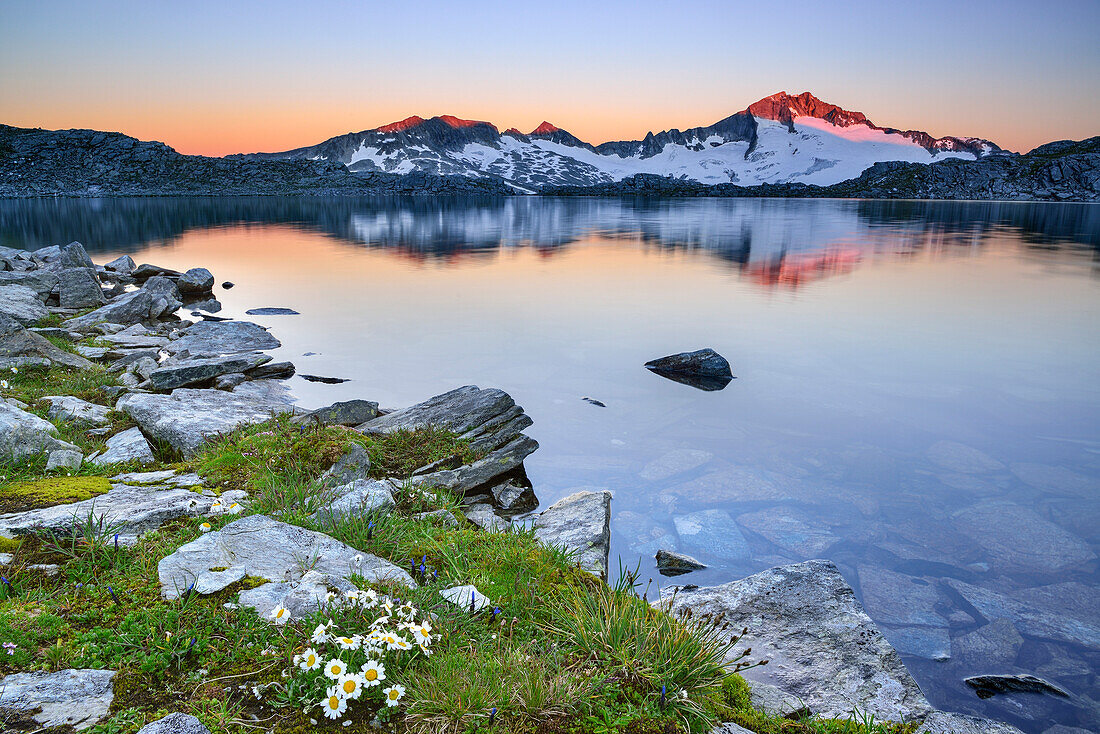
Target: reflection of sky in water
916,398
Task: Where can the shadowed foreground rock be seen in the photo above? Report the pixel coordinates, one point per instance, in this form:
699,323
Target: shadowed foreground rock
74,697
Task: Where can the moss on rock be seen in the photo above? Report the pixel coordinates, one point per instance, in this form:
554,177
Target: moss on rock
50,491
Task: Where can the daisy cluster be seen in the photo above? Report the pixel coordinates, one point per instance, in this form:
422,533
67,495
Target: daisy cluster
342,666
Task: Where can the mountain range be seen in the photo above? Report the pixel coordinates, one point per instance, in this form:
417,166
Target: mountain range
783,138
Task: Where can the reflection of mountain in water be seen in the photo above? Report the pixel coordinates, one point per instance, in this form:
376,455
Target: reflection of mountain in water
776,241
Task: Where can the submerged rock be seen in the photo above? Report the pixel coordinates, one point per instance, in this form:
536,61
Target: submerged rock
677,461
792,530
671,563
987,686
712,532
580,523
1031,618
995,645
704,369
187,417
1019,539
822,648
260,547
79,698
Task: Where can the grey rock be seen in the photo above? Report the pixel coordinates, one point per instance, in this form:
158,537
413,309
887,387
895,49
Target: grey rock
730,728
213,338
1073,598
133,509
129,380
345,413
230,381
18,347
580,523
994,645
466,597
482,515
199,371
196,281
22,304
441,516
187,417
301,597
987,686
79,288
123,264
79,698
513,498
129,308
1063,729
42,282
162,287
267,311
712,532
143,367
705,362
64,459
93,353
48,254
791,530
24,434
265,548
210,305
128,445
677,461
961,458
643,534
136,337
932,643
942,722
74,410
359,497
1031,621
483,473
176,723
1019,539
73,255
822,647
898,599
273,392
671,563
272,371
1055,479
145,270
353,466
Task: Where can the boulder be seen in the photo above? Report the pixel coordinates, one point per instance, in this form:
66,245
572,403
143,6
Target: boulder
74,697
203,370
64,460
471,478
24,434
260,547
132,509
196,281
822,648
129,308
213,338
42,282
79,288
353,466
712,533
162,287
987,686
671,563
145,270
187,417
22,304
128,445
704,369
467,597
942,722
271,311
73,255
124,265
580,523
176,723
19,346
74,410
346,413
359,497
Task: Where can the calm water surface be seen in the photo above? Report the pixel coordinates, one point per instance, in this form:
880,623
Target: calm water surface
917,392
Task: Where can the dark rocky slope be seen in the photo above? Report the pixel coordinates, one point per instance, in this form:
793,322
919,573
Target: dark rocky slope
1061,171
35,162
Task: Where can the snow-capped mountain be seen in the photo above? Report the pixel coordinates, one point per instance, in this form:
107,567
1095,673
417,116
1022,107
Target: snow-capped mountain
780,139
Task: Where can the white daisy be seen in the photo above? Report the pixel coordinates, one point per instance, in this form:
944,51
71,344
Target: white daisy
309,660
348,643
204,527
394,694
333,705
373,672
320,635
335,668
280,615
349,686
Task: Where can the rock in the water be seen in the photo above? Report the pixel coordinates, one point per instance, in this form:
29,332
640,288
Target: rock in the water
228,284
124,265
996,645
359,497
19,347
187,417
134,509
325,380
895,598
987,686
199,371
792,530
24,434
176,723
272,311
272,371
712,532
1031,619
346,413
942,722
128,445
513,498
22,304
467,597
1019,539
129,308
352,466
260,547
580,523
958,457
822,647
145,270
196,281
64,459
671,563
80,288
79,698
704,369
674,462
74,410
213,338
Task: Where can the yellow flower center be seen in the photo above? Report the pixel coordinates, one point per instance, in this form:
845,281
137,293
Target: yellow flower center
335,670
349,686
334,702
371,674
311,660
393,695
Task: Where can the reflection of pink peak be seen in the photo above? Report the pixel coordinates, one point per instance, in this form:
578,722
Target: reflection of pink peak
396,127
792,271
457,122
545,129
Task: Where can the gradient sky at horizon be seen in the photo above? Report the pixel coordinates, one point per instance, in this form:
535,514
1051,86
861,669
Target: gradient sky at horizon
241,76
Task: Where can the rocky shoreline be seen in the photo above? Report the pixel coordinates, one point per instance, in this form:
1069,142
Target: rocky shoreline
186,382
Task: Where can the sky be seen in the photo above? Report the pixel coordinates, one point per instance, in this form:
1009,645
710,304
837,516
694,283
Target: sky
244,75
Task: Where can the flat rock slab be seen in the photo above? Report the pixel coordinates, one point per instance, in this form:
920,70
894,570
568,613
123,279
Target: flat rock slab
942,722
213,338
22,304
133,509
822,647
1032,617
20,346
580,523
300,597
128,445
79,698
483,473
74,410
359,497
25,434
176,723
261,547
677,461
187,417
1019,539
792,530
197,371
129,308
713,533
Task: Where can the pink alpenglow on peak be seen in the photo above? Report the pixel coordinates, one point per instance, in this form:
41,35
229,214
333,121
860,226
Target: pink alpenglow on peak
545,129
402,125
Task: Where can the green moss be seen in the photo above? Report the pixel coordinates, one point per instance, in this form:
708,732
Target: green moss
251,582
9,545
50,491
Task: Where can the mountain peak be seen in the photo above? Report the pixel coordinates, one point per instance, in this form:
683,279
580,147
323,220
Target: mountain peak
402,125
545,129
785,107
458,122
